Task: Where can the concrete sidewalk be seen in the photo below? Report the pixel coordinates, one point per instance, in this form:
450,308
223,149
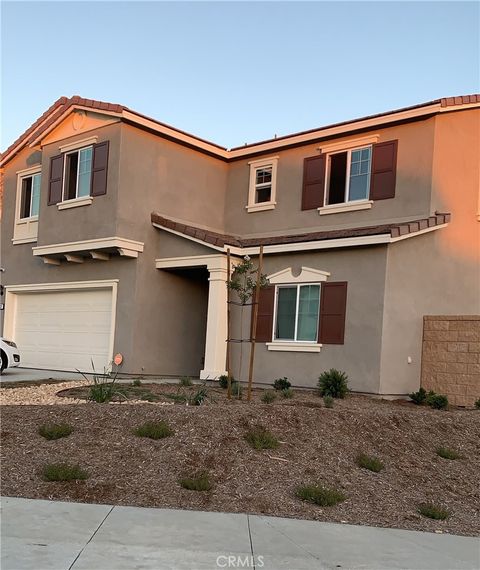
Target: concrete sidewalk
52,535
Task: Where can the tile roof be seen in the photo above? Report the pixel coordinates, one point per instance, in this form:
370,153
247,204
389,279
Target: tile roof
222,240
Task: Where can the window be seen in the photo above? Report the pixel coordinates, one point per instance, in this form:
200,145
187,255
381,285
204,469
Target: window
348,176
297,313
262,189
30,196
78,172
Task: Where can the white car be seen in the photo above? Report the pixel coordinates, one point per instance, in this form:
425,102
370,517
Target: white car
9,355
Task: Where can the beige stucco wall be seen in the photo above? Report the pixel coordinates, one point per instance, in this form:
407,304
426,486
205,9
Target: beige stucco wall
451,357
412,198
437,273
364,269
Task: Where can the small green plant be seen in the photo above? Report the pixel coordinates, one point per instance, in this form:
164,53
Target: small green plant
333,383
447,453
154,430
477,404
199,397
371,463
437,401
319,495
137,382
237,390
432,511
268,396
55,431
287,393
103,389
419,397
223,381
186,381
198,482
63,472
260,438
281,384
328,401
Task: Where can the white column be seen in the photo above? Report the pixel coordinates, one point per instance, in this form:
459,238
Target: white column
216,338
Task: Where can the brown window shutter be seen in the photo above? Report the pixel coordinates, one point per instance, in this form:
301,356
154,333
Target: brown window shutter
384,170
265,314
99,169
55,183
313,182
333,304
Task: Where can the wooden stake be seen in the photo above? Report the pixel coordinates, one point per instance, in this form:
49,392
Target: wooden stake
254,324
228,364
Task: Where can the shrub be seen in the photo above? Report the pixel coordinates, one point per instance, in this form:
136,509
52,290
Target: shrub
437,401
237,390
287,393
260,438
319,495
55,431
137,382
281,383
199,397
63,472
154,430
333,383
199,482
371,463
328,401
447,453
477,404
103,389
186,381
419,397
268,396
431,511
223,381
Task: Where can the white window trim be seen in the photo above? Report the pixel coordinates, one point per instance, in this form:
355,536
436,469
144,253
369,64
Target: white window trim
73,151
347,178
283,343
25,229
75,203
351,144
293,346
353,206
253,206
77,145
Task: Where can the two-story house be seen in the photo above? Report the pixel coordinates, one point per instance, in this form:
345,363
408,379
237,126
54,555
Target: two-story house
116,227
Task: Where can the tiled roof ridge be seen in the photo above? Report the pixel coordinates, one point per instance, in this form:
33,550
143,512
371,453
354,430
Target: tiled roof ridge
221,240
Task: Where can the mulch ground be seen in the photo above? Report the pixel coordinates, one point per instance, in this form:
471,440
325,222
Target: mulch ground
317,445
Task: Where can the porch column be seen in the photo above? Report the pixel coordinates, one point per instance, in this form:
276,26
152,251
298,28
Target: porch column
216,337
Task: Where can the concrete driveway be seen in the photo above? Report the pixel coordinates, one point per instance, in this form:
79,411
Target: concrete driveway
35,375
51,535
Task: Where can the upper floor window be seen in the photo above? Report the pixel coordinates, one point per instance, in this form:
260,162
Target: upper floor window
30,196
262,187
78,171
348,175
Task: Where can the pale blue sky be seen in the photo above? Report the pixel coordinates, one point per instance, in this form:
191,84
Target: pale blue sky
236,72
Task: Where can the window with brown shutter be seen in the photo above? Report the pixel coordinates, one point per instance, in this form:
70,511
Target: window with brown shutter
55,183
99,169
313,182
266,303
384,170
333,303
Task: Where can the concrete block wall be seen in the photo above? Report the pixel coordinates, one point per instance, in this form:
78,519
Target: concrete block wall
451,357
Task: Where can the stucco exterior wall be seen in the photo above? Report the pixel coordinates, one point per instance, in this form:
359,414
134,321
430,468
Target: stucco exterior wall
412,197
451,357
364,269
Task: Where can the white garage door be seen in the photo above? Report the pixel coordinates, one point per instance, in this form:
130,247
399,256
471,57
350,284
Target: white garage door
64,330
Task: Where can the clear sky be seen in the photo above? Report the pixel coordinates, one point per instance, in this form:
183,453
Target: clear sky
236,72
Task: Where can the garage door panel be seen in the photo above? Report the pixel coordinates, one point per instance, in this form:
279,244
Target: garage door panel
64,330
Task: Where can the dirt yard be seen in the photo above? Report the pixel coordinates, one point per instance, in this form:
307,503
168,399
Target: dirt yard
317,445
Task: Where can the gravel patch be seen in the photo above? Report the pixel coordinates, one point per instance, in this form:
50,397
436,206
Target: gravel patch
318,445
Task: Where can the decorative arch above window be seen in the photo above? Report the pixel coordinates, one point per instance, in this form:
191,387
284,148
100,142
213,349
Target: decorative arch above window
306,275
